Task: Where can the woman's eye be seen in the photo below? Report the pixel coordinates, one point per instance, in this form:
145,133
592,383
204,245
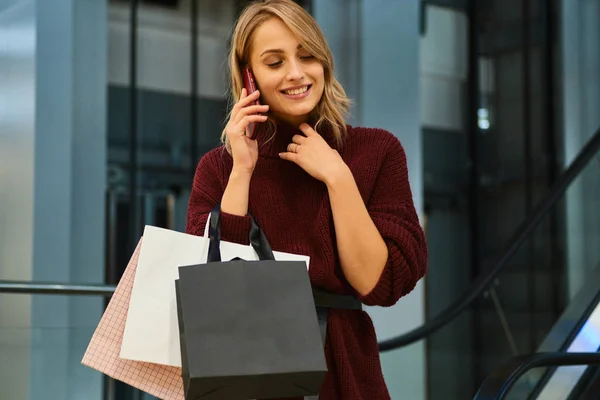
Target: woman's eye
308,57
274,64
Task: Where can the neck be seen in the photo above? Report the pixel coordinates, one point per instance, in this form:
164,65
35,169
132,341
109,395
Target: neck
272,144
292,120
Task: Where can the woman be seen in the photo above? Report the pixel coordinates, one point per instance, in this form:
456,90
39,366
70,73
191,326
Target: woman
316,186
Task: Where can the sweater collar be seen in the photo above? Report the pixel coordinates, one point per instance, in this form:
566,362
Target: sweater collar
270,145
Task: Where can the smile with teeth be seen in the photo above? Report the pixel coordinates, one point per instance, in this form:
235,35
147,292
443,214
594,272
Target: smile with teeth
297,91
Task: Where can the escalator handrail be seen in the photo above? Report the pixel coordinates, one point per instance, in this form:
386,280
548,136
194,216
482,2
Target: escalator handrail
498,384
29,287
521,235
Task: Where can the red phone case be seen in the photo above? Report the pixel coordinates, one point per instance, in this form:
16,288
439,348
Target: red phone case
250,86
249,83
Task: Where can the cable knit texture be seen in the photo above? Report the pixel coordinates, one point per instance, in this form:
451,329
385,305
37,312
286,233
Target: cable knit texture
294,211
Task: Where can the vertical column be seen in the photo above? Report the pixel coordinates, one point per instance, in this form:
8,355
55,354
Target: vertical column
340,22
17,124
89,140
591,123
580,82
376,49
70,169
52,195
390,99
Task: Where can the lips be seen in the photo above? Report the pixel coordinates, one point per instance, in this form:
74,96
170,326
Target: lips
296,90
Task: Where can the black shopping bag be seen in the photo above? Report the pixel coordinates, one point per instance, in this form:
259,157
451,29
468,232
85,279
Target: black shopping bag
249,329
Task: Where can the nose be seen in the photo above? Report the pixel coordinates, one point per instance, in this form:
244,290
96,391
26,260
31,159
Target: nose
295,71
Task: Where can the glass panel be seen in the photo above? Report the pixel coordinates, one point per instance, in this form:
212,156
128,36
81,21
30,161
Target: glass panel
178,113
525,385
17,127
563,380
44,360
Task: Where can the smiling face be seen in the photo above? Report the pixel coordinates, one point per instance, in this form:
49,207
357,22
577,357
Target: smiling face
290,79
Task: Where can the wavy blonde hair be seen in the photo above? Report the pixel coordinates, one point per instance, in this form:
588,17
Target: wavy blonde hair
334,104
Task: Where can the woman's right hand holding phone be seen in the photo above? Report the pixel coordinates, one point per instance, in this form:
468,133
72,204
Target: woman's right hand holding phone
244,149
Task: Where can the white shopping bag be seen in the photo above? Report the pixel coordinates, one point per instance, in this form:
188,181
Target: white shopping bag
151,330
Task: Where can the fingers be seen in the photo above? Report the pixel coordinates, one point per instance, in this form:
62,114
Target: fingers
236,107
239,129
244,101
307,130
247,120
249,111
299,139
293,148
293,157
245,113
251,118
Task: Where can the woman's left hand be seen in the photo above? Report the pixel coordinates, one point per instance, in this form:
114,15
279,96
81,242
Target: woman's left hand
314,155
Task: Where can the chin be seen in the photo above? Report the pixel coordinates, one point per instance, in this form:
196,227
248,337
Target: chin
301,109
300,113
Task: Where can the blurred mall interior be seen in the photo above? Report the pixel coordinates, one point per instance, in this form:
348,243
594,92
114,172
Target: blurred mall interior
106,106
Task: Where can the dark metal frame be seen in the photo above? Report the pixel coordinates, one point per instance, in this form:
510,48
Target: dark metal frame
473,134
549,86
194,67
112,388
497,386
528,165
133,126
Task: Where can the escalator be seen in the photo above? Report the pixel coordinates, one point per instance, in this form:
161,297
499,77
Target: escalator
565,339
566,365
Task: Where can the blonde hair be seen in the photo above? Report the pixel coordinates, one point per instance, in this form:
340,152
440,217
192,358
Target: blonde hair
334,104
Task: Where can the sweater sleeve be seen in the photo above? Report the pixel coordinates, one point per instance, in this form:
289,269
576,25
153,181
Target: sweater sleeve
207,192
392,210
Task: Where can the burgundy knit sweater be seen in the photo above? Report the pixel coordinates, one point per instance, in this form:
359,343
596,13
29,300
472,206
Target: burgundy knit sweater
294,211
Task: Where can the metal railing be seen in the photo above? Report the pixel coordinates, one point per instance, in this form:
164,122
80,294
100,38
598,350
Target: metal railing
26,287
498,385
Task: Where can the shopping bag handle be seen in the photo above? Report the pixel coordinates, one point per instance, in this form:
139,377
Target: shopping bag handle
258,240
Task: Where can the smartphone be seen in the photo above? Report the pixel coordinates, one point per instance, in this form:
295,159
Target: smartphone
250,86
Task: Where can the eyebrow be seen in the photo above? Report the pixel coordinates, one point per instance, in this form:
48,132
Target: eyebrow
278,51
